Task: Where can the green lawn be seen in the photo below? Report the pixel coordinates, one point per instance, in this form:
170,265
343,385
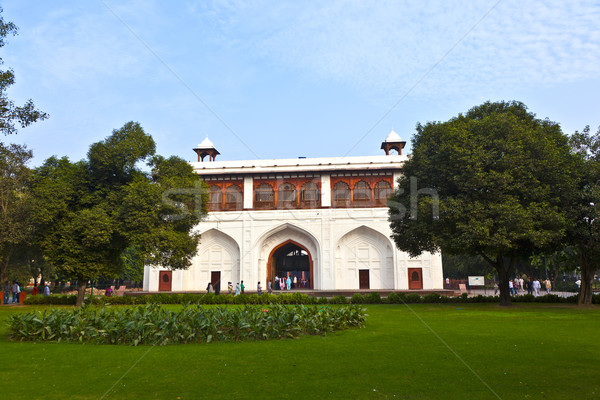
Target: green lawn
472,351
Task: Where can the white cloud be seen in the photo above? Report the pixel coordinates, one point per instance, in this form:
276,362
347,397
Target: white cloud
387,46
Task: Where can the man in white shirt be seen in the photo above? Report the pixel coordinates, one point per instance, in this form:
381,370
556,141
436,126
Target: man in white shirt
536,287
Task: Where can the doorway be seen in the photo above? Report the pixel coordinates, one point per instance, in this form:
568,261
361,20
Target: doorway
293,260
415,278
363,279
165,279
215,278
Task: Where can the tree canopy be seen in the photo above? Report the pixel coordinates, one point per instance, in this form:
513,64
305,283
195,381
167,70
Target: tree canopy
584,211
90,212
493,182
15,204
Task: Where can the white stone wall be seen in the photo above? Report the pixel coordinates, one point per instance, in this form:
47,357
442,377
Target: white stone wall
340,242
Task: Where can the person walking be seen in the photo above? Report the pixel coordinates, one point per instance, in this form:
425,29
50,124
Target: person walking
209,288
237,288
295,282
548,285
288,283
270,287
15,292
529,286
536,287
243,287
258,289
510,287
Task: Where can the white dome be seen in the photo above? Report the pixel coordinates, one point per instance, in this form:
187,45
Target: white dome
206,144
393,137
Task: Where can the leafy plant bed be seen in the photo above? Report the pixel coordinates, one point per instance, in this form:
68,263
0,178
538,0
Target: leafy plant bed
154,325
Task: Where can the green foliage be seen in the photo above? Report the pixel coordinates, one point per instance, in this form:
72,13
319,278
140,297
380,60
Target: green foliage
584,211
291,299
54,299
493,182
104,217
152,324
15,206
357,298
338,300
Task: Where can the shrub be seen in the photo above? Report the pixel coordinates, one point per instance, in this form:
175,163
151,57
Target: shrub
338,300
373,298
412,298
152,324
431,298
357,298
56,299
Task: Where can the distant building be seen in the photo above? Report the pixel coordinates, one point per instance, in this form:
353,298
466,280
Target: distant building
321,220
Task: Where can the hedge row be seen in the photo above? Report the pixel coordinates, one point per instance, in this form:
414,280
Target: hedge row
155,325
297,298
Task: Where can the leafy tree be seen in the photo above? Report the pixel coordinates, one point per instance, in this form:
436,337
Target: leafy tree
15,221
9,113
493,183
584,212
90,212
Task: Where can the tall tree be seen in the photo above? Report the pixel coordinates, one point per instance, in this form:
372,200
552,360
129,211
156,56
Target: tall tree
91,211
10,115
15,221
493,183
584,212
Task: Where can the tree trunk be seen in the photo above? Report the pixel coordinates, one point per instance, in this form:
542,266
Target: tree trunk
503,276
81,292
587,276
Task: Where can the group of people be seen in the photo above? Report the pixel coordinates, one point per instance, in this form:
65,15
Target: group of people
12,292
278,283
531,286
216,288
286,283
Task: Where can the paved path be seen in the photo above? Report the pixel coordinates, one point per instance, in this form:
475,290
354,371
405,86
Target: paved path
490,292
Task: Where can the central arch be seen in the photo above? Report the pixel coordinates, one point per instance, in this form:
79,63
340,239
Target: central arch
290,258
271,241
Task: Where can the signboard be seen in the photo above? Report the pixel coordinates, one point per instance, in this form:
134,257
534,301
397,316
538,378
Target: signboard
476,281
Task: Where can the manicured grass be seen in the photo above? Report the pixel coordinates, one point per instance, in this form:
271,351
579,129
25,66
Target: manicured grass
533,351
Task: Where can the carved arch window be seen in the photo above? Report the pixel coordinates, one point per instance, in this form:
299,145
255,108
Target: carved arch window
362,194
383,191
341,195
309,195
264,196
286,196
215,201
233,198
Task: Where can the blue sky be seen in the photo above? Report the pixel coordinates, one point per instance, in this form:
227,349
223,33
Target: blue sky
287,79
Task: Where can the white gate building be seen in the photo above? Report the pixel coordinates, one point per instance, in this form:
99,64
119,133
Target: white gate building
323,221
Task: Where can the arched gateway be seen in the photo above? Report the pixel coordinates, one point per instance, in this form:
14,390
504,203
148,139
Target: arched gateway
291,259
289,249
